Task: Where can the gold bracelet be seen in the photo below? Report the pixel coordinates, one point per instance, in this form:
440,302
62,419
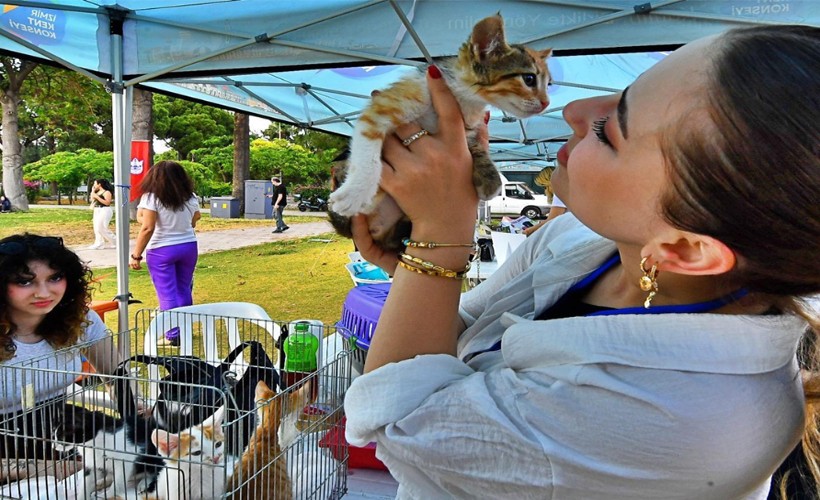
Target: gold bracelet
427,264
429,244
445,274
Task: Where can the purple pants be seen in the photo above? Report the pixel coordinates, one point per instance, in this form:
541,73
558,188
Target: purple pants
172,271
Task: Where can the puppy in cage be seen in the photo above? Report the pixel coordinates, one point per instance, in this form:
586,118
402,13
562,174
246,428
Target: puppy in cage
44,297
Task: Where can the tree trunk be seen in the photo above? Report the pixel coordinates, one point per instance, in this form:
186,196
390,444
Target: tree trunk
241,157
13,186
142,129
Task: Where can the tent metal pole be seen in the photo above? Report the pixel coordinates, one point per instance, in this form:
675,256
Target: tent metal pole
326,105
412,31
122,183
190,62
241,86
349,53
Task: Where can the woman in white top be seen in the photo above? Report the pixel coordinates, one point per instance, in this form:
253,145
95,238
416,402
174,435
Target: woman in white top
168,211
44,299
641,346
102,200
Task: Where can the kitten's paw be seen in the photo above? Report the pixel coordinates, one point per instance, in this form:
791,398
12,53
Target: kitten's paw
349,202
488,188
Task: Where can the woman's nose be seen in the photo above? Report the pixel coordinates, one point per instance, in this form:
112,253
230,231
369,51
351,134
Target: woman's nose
581,113
42,290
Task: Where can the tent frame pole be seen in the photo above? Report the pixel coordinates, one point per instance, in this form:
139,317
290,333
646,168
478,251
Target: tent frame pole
122,183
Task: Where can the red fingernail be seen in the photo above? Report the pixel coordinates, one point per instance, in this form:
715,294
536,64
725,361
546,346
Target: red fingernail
434,72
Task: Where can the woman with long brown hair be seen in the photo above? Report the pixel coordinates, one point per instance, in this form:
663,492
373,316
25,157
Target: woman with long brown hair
168,211
643,345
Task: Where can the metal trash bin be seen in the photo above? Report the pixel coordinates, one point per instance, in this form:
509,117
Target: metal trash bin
225,207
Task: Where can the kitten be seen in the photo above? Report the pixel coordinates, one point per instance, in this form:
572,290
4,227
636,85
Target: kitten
113,457
486,70
263,471
193,470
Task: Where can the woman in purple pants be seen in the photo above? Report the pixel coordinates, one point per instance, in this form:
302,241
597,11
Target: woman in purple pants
168,211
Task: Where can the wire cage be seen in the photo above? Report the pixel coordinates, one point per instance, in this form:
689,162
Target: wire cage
188,420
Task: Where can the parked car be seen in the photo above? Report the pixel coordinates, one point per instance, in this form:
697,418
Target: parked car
517,198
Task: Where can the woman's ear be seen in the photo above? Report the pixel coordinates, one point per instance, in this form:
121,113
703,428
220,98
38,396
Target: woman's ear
694,254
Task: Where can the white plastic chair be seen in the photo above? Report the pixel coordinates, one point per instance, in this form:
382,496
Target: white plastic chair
207,315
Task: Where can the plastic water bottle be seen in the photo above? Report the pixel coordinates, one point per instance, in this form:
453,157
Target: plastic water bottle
301,348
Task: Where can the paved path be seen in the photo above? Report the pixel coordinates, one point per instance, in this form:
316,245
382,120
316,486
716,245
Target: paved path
215,241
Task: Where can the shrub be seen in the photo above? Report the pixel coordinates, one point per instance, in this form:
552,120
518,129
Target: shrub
32,190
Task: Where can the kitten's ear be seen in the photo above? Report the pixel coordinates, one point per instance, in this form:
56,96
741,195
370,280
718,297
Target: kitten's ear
544,54
262,391
488,38
165,442
214,420
302,397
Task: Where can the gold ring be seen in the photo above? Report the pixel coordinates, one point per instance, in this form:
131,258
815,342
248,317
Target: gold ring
413,138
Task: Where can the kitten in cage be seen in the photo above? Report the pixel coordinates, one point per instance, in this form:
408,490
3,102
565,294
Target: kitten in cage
263,470
117,458
195,468
486,71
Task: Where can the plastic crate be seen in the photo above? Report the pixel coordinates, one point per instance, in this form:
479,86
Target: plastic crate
360,314
363,457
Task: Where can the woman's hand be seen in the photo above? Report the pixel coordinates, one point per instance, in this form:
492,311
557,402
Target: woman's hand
134,263
369,249
431,178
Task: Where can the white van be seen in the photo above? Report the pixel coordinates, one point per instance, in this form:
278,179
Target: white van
517,198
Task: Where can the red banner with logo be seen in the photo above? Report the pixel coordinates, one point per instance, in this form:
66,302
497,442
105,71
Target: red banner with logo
140,163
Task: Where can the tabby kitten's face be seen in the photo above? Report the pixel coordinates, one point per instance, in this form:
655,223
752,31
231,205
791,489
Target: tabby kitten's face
511,77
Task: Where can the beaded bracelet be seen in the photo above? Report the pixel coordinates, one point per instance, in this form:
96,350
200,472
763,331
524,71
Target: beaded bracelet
446,274
427,264
429,244
434,270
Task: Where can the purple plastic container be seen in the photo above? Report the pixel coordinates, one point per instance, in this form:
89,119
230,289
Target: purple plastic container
360,314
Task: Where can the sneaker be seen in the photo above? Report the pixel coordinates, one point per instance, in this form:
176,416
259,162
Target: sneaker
94,247
277,230
285,228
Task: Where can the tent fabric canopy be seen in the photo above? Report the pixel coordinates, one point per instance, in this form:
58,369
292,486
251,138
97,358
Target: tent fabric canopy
314,62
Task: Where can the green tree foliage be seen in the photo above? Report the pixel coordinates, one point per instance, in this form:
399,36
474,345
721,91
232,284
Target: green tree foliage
186,126
218,159
319,142
295,163
65,111
204,182
70,170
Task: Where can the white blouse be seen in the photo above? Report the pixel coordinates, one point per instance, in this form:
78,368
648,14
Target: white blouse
624,406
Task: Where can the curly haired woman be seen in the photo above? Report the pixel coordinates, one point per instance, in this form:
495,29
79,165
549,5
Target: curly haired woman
44,297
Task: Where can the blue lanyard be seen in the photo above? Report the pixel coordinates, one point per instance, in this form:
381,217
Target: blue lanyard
585,283
697,307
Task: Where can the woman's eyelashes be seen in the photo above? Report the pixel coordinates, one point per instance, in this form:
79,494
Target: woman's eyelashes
598,128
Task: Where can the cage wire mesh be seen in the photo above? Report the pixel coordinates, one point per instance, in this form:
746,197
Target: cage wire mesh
188,421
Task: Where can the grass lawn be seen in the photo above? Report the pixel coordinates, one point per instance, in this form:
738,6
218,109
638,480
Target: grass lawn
74,225
294,279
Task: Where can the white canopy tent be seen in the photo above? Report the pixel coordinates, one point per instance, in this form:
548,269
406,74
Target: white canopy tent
314,63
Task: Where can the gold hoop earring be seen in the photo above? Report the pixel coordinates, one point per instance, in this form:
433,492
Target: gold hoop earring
647,282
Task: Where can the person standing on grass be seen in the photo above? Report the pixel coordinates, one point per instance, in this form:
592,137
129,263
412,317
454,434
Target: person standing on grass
102,203
168,212
280,199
